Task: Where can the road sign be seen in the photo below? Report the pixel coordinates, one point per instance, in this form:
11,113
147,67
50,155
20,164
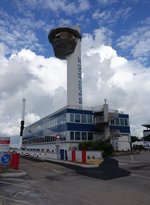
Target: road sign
58,137
5,158
4,144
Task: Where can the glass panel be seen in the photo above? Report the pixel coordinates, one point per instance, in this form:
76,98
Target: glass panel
112,122
89,119
77,135
126,122
83,118
71,117
122,121
71,135
117,121
84,137
77,118
90,136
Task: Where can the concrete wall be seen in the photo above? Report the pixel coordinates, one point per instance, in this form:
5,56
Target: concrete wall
89,155
121,143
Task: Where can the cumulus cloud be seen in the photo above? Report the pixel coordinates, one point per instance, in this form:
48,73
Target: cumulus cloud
34,77
124,83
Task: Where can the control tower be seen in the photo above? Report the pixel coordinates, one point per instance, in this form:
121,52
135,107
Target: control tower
66,42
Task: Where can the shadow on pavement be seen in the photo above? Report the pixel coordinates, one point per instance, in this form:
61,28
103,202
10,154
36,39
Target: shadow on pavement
108,170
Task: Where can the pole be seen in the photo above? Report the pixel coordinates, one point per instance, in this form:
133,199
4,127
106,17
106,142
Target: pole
22,120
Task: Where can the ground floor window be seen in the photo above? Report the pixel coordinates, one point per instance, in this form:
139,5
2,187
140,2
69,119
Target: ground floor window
71,135
84,136
90,136
77,135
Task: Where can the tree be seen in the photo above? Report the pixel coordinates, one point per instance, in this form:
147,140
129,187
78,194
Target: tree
134,139
100,145
147,138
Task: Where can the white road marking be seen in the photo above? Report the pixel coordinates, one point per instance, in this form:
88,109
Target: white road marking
141,176
18,185
15,200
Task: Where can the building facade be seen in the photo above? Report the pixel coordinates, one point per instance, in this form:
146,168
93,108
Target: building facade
74,126
146,131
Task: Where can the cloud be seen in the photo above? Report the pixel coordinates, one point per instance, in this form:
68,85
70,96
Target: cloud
110,76
20,33
107,1
137,41
66,6
110,17
34,77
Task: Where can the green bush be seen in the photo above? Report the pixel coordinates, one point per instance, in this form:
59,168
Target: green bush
100,145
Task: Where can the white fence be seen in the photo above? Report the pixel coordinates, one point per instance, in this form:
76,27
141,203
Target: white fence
55,155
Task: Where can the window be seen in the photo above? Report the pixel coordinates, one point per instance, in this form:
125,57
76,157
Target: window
84,137
61,119
47,138
77,118
71,135
122,121
77,135
89,119
83,118
126,122
112,122
90,136
117,121
71,117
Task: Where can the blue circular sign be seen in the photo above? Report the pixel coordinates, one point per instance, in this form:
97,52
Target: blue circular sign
5,158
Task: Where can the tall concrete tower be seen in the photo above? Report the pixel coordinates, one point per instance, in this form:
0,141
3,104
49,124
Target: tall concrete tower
66,42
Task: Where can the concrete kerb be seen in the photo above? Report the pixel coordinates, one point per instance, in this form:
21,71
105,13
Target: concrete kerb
74,163
12,174
70,163
63,162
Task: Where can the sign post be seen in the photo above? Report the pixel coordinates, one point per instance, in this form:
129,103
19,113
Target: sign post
58,138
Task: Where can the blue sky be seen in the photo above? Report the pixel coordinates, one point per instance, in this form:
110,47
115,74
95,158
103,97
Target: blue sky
115,58
27,22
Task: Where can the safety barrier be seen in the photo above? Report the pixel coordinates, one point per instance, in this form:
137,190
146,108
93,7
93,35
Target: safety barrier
15,158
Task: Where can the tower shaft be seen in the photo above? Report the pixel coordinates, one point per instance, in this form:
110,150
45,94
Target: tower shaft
74,77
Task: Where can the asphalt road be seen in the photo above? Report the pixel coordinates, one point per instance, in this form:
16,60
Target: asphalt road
119,181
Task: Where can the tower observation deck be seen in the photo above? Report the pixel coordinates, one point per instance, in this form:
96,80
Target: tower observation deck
64,41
